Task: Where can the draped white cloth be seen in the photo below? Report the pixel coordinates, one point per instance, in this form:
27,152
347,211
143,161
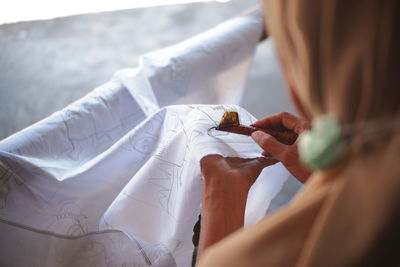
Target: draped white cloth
113,179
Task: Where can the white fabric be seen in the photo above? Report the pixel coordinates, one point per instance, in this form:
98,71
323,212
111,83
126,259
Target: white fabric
113,179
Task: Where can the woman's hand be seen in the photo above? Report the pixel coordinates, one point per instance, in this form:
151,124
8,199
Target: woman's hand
287,154
227,183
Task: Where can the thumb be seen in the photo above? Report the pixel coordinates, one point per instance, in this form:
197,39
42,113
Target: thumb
269,144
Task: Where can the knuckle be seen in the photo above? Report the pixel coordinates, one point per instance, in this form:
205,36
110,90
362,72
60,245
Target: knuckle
283,114
204,162
302,126
299,128
288,119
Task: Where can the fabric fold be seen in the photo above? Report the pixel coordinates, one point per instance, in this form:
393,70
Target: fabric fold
113,178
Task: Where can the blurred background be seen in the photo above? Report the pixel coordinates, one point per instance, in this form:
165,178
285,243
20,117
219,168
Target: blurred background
54,52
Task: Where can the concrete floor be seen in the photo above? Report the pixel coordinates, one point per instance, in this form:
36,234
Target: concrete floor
46,65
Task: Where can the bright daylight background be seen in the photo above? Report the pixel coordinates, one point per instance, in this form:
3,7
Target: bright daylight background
25,10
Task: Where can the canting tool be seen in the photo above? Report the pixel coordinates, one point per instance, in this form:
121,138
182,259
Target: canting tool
230,123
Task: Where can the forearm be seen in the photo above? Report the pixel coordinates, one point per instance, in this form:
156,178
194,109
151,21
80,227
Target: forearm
222,213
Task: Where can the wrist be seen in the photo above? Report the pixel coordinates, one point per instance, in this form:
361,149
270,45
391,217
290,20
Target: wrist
222,210
222,193
215,184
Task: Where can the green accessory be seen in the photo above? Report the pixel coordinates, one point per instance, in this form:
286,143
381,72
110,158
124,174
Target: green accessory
324,145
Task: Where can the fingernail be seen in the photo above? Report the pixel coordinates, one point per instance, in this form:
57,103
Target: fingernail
256,135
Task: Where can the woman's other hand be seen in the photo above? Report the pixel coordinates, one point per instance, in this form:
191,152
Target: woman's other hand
227,183
287,154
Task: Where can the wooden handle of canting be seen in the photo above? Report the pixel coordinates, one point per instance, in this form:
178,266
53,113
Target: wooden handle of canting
284,136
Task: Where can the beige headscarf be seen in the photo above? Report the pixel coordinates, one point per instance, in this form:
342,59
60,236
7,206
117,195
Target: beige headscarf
343,58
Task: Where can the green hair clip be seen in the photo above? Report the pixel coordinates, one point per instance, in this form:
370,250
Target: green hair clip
324,145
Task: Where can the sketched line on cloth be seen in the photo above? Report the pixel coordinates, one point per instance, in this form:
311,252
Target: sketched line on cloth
45,232
66,237
48,233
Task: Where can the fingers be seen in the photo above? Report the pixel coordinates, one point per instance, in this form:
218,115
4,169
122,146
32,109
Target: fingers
253,167
272,121
283,119
208,163
269,144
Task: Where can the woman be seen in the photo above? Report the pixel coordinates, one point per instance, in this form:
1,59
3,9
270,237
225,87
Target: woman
340,59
